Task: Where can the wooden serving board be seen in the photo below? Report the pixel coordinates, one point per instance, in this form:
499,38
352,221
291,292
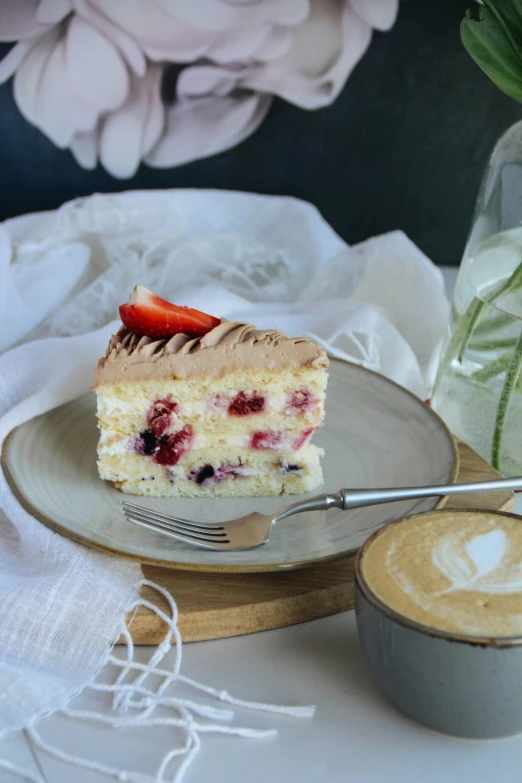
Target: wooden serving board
213,606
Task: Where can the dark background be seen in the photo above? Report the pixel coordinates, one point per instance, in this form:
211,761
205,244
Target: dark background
403,146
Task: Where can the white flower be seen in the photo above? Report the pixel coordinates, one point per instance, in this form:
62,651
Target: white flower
91,74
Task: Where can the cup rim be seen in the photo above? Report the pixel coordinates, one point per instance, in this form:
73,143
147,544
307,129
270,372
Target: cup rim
428,630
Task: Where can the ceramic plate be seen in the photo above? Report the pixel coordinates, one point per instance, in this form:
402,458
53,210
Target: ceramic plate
376,434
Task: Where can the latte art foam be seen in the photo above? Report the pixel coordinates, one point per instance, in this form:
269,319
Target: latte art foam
454,571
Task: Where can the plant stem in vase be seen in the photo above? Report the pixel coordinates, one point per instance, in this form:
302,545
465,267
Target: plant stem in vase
476,386
512,375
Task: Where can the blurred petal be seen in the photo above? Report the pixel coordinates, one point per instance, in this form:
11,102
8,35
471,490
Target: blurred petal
84,147
275,45
201,127
69,77
161,36
219,15
134,126
155,122
214,28
380,14
53,11
324,52
61,112
237,44
264,42
318,41
200,80
95,70
28,76
18,19
13,59
124,43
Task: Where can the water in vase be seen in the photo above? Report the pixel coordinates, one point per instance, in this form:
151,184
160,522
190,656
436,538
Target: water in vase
478,391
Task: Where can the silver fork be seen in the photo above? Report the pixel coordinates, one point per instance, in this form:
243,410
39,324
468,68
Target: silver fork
254,529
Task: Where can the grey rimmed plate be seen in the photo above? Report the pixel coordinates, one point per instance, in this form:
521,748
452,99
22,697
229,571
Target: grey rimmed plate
376,434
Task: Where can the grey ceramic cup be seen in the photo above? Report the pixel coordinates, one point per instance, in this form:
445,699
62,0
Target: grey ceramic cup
464,686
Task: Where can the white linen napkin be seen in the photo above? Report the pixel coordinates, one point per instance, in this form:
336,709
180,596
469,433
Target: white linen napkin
269,260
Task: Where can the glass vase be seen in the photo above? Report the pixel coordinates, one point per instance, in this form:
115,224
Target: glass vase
478,389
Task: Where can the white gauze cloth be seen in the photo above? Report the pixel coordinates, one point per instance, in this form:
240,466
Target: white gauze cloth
272,261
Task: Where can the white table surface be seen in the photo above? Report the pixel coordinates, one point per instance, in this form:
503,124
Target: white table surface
356,735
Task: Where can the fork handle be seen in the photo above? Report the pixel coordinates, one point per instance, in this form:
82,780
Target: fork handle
356,498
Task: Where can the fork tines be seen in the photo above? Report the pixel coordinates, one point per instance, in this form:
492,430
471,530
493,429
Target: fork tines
182,529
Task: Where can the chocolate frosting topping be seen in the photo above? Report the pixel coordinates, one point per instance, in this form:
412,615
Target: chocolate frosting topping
229,347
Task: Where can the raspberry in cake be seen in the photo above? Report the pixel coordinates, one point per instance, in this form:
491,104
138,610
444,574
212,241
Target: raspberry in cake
193,406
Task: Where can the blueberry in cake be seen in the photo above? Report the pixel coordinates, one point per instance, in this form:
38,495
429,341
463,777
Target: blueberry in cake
193,406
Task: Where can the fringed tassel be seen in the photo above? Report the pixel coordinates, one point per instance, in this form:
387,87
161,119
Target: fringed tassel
134,705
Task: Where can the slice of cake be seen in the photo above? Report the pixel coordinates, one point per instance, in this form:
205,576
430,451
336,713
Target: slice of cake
192,406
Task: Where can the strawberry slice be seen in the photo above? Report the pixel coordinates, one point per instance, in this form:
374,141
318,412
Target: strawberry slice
149,314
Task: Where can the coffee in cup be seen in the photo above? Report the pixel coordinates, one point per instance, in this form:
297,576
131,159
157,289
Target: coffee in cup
455,572
438,599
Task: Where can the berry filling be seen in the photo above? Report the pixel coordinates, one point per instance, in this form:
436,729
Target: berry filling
261,441
171,447
165,450
160,415
286,468
207,474
246,404
227,470
146,443
300,401
302,438
202,475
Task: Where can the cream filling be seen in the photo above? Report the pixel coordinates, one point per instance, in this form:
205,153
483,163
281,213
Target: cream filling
110,406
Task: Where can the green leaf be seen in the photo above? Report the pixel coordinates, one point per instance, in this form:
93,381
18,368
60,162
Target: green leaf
507,13
495,43
475,312
479,308
494,368
492,345
492,325
511,13
512,376
469,326
517,12
459,339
